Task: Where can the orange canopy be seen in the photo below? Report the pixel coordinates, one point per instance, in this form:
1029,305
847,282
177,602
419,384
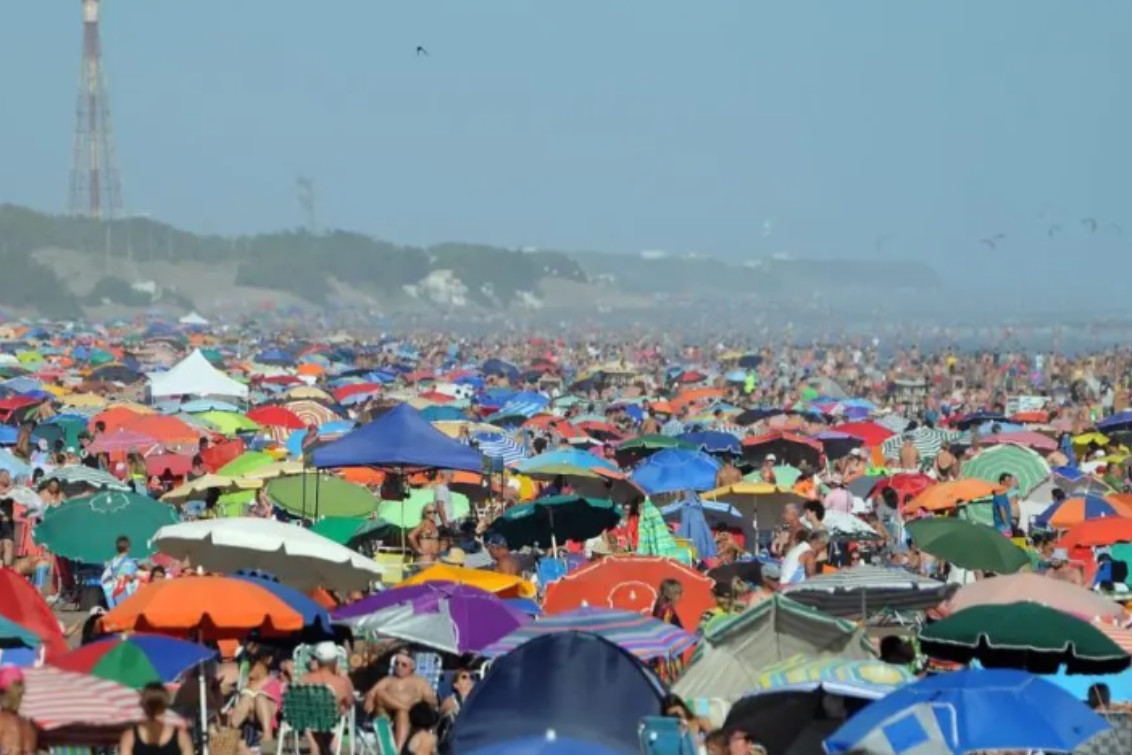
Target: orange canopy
218,607
946,495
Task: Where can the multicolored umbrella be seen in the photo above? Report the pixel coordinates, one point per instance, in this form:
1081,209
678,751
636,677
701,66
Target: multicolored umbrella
869,680
643,636
1071,511
55,699
448,617
968,545
85,529
135,660
1023,635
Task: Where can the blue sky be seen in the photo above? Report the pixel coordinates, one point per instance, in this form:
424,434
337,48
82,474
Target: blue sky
601,124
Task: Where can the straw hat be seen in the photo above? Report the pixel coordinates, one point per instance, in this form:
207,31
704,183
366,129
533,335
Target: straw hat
454,557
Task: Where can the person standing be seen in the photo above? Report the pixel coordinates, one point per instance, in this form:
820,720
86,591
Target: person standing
17,734
153,736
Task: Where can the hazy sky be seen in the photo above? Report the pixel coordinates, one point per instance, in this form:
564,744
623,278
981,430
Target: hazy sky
600,124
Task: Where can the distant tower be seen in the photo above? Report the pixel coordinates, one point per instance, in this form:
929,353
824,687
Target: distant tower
308,202
95,189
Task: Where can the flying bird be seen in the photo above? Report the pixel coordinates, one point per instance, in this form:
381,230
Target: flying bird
1091,224
992,242
422,51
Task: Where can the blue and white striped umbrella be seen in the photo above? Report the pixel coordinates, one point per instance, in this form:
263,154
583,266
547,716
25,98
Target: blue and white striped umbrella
499,446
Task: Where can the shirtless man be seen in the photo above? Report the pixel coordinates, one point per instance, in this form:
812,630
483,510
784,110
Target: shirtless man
909,455
505,563
728,474
395,695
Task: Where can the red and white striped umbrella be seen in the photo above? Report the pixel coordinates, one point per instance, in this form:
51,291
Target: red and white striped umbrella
121,440
57,699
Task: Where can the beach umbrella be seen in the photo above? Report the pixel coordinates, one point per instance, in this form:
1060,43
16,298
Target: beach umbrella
927,440
713,442
81,474
569,462
870,680
448,617
633,450
947,495
276,416
643,636
245,463
870,433
967,545
904,483
316,620
62,702
848,527
1078,509
135,660
121,440
1023,635
969,711
230,423
86,529
1027,466
295,555
22,605
503,585
349,531
864,590
196,489
547,522
1098,532
676,470
315,495
408,513
1064,596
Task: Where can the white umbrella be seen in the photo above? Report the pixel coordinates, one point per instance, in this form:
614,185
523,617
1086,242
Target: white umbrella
296,556
840,524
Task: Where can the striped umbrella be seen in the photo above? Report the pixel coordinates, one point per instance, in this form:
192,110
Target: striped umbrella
499,446
643,636
870,679
927,440
311,412
81,474
1027,466
57,699
867,590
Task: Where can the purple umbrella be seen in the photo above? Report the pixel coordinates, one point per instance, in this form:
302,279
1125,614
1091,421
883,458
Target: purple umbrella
445,616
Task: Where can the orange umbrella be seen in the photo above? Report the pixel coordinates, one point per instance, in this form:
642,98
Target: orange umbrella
946,495
217,607
631,584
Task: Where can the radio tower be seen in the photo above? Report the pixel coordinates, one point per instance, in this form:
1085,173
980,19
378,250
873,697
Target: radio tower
95,190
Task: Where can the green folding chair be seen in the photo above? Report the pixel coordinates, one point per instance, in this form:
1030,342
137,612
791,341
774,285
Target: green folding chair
312,707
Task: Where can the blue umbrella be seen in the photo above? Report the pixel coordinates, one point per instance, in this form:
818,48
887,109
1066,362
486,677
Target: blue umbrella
442,414
316,619
694,527
973,710
1121,421
714,442
550,744
674,469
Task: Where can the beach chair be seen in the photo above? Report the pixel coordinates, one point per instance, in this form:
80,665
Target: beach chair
661,735
429,666
303,654
311,707
383,736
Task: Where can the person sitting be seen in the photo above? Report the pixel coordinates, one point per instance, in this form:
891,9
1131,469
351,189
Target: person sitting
394,696
260,699
422,739
326,672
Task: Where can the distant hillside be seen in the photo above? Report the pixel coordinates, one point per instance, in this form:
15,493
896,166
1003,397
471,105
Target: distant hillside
62,265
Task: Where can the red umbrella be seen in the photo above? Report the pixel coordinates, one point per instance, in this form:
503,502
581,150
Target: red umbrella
870,432
905,484
22,604
55,699
122,439
276,416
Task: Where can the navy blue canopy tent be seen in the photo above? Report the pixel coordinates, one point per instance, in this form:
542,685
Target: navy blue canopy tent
398,438
586,690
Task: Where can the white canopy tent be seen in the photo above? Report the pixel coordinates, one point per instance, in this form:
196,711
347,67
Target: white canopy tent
195,376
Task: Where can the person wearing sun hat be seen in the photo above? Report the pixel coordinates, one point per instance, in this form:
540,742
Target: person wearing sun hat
17,734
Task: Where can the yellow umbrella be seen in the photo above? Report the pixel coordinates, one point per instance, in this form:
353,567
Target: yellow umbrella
308,391
184,492
503,585
84,400
453,428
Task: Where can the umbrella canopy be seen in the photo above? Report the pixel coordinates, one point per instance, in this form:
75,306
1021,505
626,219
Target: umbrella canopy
81,474
121,440
947,495
968,545
713,442
408,513
1098,532
643,636
1023,635
22,604
85,529
556,519
218,607
316,619
56,700
448,617
927,440
135,660
869,679
503,585
865,590
966,711
1027,466
1078,509
351,530
635,449
848,527
276,416
1064,596
12,635
295,555
674,470
317,495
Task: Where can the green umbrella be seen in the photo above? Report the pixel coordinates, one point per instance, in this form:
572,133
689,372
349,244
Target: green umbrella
230,423
1026,465
1023,635
346,530
554,520
245,463
635,449
85,529
407,514
968,545
312,495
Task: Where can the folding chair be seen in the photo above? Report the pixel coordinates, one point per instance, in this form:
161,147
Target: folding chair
429,666
312,707
304,654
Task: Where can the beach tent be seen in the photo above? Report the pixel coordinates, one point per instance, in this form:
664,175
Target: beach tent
398,438
587,690
195,376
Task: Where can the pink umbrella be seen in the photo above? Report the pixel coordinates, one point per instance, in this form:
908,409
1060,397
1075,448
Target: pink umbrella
57,699
121,440
1027,438
1062,596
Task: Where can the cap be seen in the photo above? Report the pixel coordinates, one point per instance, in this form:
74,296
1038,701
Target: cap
770,457
856,452
495,540
325,652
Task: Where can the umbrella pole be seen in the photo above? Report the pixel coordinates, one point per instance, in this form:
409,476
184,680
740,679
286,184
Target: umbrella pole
317,485
203,709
